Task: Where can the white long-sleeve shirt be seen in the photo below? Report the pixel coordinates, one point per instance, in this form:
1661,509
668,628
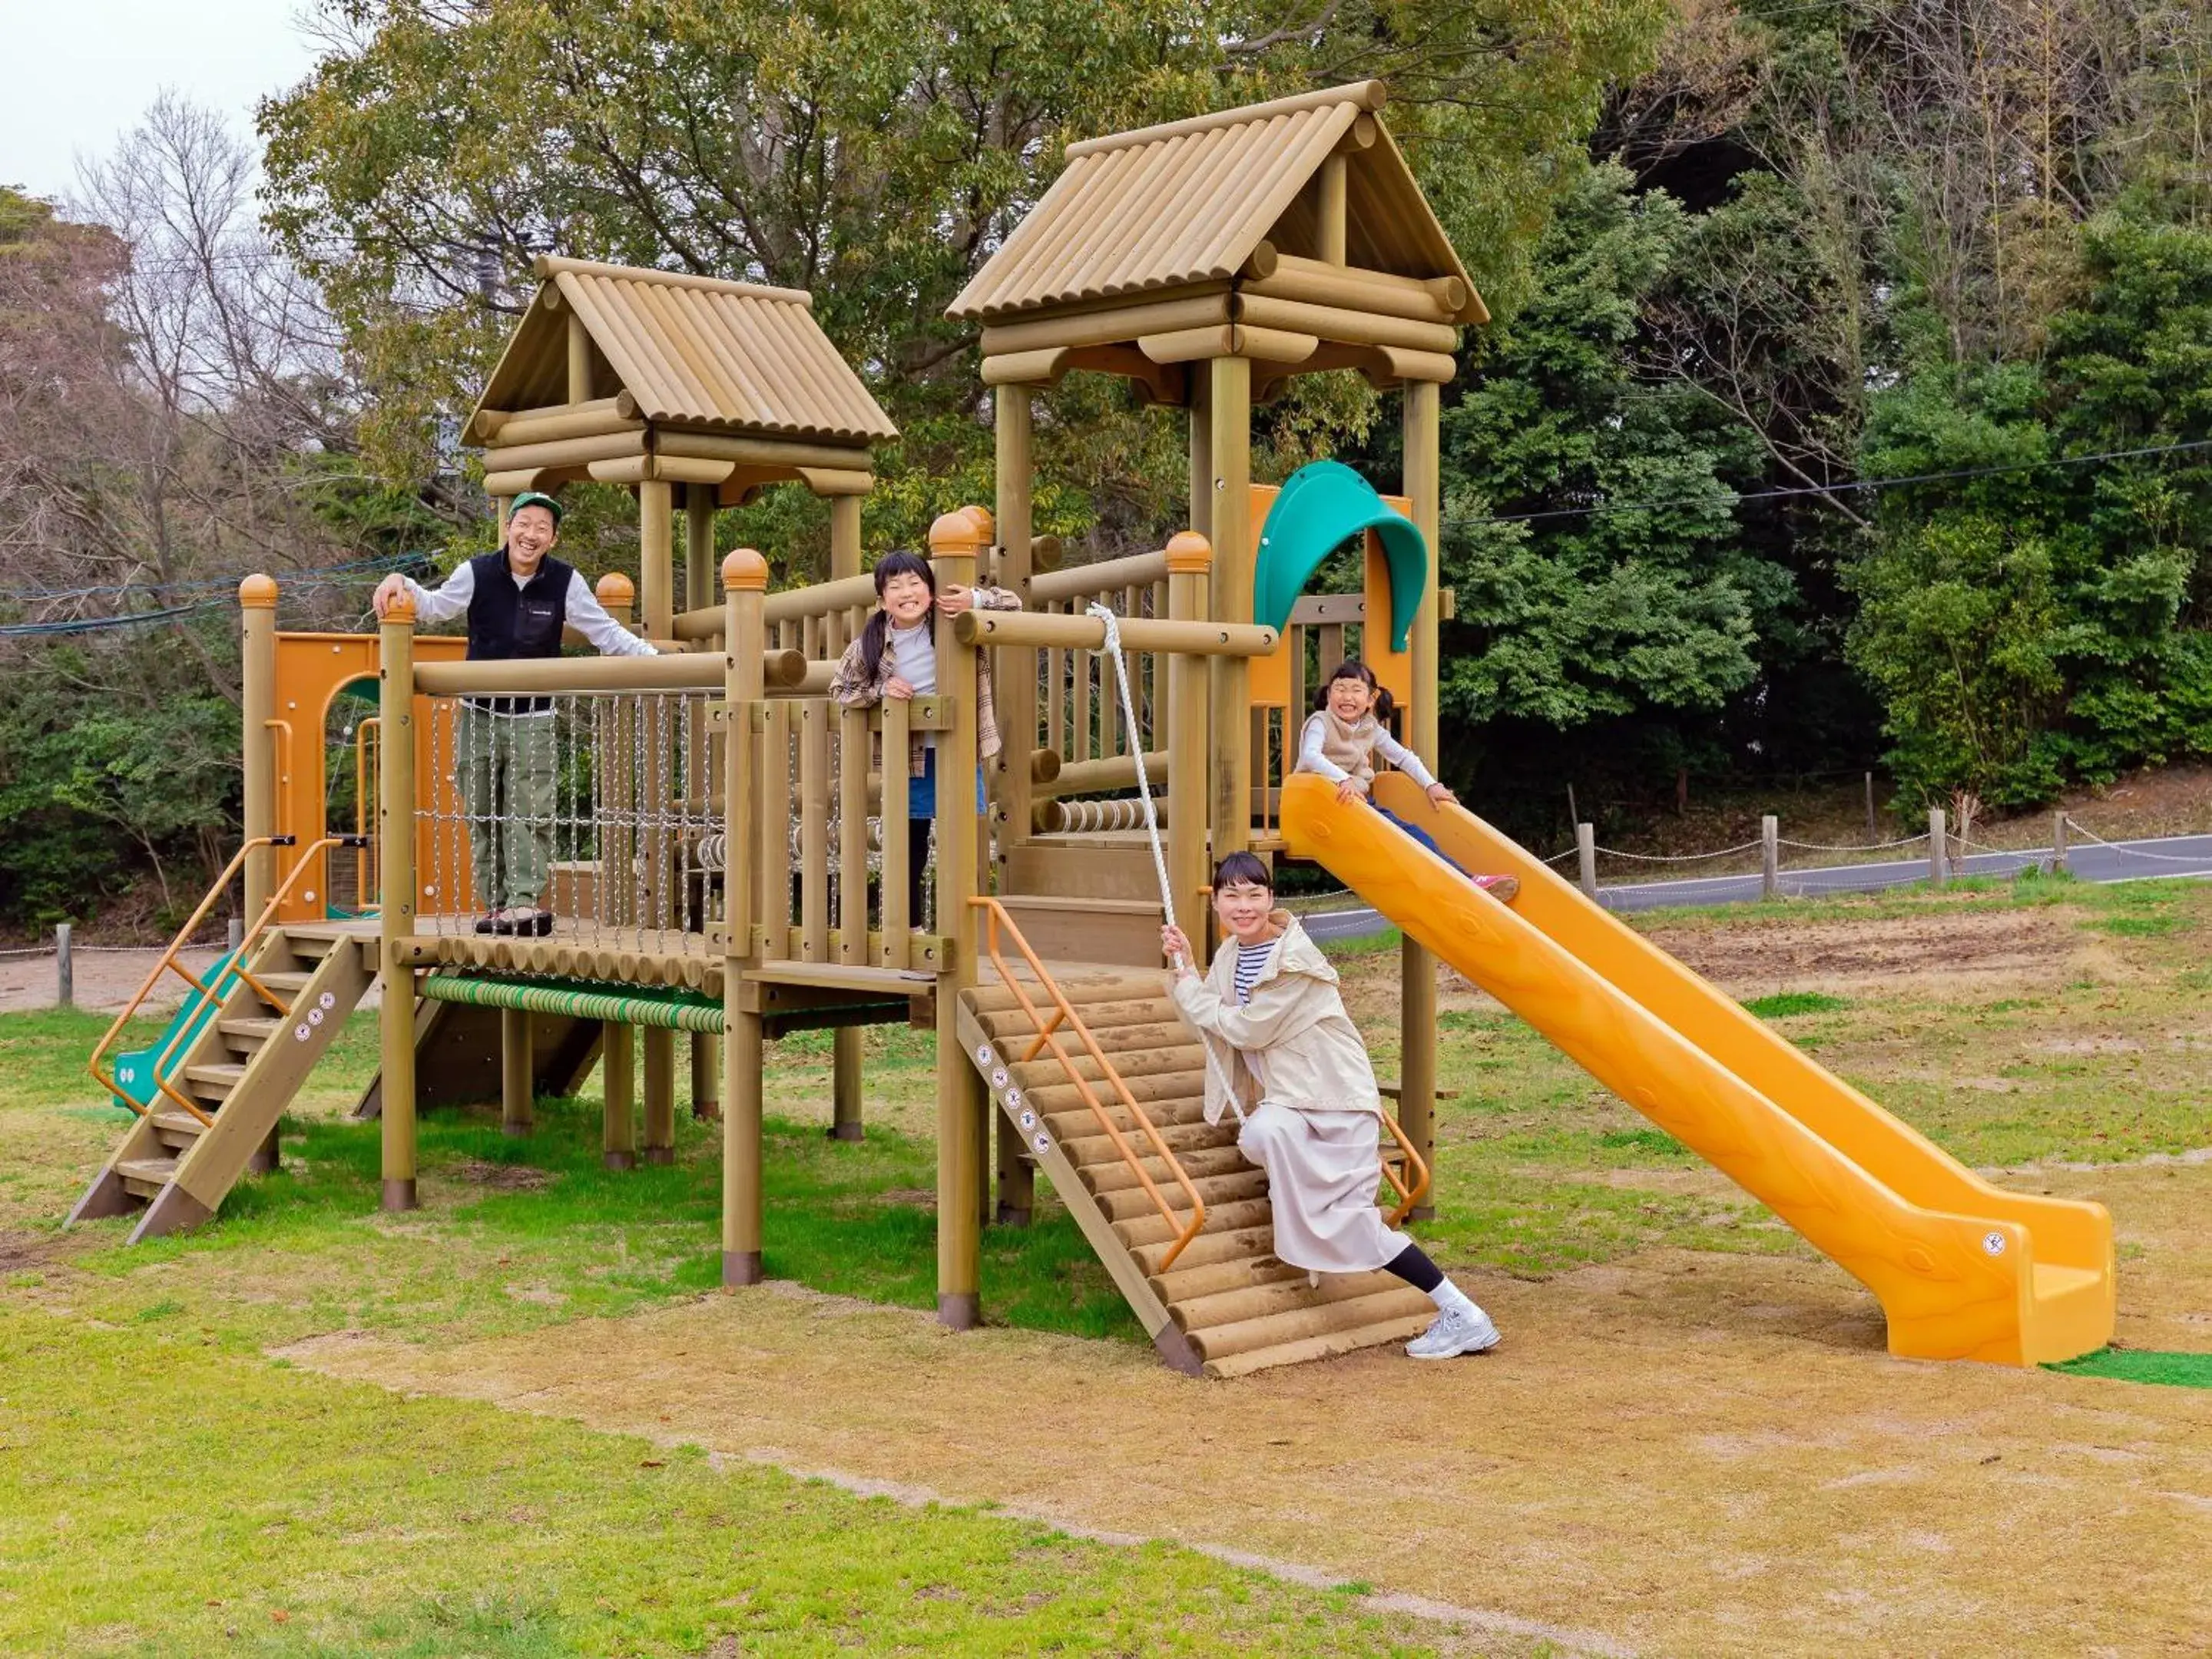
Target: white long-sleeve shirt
1312,759
451,598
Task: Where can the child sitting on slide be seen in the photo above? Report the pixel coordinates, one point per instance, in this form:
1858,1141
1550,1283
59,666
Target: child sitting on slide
1345,733
1289,1062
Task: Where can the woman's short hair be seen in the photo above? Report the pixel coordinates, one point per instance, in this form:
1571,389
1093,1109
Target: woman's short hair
1244,870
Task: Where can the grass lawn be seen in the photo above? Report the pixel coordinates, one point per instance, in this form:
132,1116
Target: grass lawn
181,1489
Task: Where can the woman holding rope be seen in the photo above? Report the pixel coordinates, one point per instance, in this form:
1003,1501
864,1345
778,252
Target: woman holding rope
1286,1057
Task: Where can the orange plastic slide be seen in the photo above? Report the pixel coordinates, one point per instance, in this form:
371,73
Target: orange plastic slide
1963,1270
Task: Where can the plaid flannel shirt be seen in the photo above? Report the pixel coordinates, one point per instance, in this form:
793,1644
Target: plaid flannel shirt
857,684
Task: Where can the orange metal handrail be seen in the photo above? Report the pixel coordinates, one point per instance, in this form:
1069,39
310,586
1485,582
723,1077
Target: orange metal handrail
363,772
169,962
1411,1191
1064,1013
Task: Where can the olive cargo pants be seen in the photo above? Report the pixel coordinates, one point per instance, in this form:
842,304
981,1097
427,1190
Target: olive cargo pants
505,768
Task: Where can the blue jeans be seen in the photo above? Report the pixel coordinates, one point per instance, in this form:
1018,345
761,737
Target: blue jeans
920,809
1420,836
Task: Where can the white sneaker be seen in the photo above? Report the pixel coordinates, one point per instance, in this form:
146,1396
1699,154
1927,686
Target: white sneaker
1454,1334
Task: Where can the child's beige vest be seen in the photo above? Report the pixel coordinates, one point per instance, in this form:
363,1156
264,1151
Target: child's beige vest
1352,747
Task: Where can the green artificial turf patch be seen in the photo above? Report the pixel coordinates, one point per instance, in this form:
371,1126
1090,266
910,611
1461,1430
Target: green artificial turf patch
2174,1371
1784,1004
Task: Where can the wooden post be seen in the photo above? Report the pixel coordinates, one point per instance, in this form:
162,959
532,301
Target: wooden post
579,360
744,589
1423,482
1330,183
1939,850
64,969
656,569
955,542
1191,567
699,575
2058,847
1873,833
257,603
517,1072
1770,857
853,943
1202,460
618,1112
1229,412
1586,857
1013,684
395,861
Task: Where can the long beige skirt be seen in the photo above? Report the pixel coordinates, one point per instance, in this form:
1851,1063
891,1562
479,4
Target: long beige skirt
1323,1169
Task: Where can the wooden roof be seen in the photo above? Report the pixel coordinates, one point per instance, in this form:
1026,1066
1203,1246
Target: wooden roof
693,351
1170,206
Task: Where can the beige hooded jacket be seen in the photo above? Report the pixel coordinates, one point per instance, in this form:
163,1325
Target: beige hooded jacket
1295,1022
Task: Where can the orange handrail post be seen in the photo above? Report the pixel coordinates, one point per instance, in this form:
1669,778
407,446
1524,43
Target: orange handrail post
1064,1012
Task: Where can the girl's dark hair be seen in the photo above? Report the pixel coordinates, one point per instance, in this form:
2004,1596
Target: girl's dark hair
1352,669
896,563
1243,869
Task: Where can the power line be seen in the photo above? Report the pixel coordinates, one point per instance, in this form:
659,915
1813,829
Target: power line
1740,498
326,576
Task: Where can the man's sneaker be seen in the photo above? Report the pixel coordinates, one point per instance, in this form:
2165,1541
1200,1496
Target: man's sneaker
1504,889
1454,1334
495,923
526,921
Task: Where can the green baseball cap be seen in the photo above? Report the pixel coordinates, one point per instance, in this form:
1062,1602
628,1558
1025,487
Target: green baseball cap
536,498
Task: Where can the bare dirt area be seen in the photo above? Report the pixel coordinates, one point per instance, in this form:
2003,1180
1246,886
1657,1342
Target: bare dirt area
1685,1453
1991,947
105,980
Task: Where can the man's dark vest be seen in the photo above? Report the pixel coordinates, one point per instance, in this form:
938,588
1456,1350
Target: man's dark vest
507,622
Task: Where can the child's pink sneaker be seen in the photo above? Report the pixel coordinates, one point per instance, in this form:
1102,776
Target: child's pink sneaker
1504,889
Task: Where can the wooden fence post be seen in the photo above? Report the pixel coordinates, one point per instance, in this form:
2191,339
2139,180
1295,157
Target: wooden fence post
1770,857
1586,851
395,860
2058,847
1939,849
64,969
744,590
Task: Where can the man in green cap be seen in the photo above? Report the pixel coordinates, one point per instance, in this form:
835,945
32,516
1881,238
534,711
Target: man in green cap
517,601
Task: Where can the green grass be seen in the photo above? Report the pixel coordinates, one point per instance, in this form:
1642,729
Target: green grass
2179,1370
1785,1004
282,1513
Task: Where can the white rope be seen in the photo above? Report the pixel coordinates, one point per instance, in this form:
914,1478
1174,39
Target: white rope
2132,851
1867,847
1113,645
1672,858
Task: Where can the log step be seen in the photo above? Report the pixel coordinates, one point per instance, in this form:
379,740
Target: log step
252,1031
1326,1347
1401,1303
1186,1140
1285,1294
144,1177
1239,1244
1082,988
1075,1121
1048,1072
1012,1027
1134,1202
1152,1228
1112,1174
1162,1088
213,1082
290,981
1182,1285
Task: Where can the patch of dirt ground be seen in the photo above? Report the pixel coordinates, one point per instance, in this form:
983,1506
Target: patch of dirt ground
1680,1454
1988,946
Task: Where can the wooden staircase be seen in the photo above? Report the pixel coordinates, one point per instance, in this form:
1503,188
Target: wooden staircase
1224,1306
242,1071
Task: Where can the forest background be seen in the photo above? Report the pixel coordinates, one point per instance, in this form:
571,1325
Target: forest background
1849,401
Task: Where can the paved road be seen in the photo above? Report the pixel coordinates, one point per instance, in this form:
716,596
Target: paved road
2127,860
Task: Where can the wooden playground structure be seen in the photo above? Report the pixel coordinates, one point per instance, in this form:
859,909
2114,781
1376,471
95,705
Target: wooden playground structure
727,847
719,864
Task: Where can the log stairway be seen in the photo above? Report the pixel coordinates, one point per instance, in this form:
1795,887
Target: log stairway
221,1093
1080,1059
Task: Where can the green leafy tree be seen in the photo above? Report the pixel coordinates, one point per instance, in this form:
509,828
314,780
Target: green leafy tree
1590,529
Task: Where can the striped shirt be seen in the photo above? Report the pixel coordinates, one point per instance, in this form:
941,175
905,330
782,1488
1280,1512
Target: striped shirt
1251,963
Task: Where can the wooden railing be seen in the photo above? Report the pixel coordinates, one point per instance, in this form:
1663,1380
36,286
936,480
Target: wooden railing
1047,1038
232,972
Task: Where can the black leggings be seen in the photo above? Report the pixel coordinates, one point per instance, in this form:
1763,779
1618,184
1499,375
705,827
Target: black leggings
1413,1265
917,866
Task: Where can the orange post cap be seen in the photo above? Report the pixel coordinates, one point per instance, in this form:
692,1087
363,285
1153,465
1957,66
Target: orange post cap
615,591
1189,553
966,530
257,592
745,570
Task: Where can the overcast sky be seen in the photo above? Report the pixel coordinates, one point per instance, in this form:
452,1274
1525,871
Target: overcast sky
80,72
